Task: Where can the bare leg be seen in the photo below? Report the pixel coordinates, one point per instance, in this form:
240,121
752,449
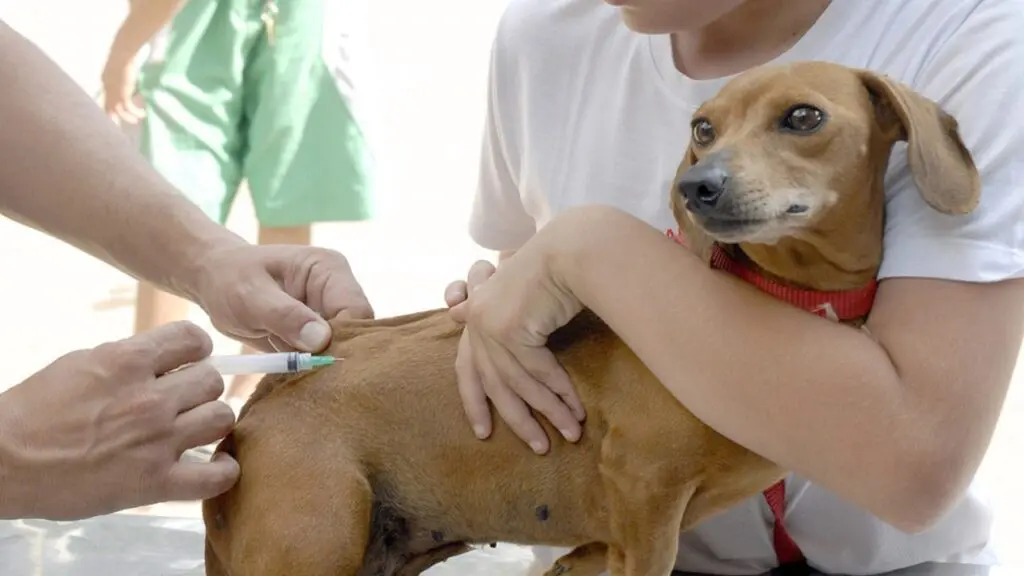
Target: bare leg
297,235
154,307
242,386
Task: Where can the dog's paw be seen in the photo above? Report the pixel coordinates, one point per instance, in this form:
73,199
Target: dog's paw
588,560
559,569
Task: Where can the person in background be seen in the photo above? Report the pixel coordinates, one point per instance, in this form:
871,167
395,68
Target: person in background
589,115
244,90
103,429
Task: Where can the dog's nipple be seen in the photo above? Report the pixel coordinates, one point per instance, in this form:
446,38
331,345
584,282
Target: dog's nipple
542,512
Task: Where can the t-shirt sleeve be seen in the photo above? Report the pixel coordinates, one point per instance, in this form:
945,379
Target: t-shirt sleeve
976,77
499,220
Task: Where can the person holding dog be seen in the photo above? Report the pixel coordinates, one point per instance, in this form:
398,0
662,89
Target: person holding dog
102,430
884,428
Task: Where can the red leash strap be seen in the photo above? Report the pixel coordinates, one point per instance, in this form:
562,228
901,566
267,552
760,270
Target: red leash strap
786,550
836,306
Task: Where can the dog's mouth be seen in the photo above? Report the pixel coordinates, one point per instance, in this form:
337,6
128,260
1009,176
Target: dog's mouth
733,230
716,225
713,225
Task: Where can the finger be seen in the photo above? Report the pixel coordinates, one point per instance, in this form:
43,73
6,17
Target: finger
129,118
272,310
460,312
203,425
174,345
191,386
512,409
542,365
123,114
359,312
474,400
542,399
455,293
261,344
479,272
188,480
334,291
133,108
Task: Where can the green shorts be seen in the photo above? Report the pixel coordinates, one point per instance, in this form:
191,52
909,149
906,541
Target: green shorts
226,104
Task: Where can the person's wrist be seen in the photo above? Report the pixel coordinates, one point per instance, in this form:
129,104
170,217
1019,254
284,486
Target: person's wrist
573,241
200,259
121,53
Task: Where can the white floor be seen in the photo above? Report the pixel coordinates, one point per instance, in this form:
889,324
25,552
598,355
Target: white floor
428,71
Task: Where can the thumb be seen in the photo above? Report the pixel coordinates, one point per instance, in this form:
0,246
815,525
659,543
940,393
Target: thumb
289,320
456,293
460,312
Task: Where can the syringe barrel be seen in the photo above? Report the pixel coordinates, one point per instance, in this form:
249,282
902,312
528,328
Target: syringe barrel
275,363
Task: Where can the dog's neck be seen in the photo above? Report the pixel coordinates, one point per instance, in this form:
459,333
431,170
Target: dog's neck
832,272
822,266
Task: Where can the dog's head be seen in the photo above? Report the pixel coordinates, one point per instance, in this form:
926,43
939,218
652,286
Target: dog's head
797,154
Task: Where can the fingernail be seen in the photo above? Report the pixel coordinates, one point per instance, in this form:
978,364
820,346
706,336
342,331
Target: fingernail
569,435
537,446
314,335
480,432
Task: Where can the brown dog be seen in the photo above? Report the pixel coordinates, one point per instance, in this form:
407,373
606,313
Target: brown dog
368,468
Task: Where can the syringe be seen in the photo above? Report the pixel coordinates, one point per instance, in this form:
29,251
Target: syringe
275,363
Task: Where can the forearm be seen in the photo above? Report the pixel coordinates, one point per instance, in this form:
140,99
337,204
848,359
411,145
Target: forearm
145,19
69,172
819,398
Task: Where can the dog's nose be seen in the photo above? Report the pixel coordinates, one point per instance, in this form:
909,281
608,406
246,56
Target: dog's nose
703,185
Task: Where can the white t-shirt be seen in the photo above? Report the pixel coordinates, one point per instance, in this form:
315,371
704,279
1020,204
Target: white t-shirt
584,111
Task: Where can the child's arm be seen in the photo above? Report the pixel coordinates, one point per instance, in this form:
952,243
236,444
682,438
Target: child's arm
145,18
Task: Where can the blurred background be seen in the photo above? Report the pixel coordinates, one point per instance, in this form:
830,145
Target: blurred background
425,73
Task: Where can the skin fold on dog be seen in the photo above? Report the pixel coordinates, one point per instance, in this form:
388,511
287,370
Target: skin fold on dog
369,468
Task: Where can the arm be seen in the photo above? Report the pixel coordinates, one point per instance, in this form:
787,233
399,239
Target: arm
69,172
498,219
145,18
917,403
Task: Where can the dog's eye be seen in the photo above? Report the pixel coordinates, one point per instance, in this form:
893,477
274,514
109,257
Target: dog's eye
803,118
703,132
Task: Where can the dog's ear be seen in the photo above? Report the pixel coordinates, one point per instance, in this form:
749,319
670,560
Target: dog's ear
940,163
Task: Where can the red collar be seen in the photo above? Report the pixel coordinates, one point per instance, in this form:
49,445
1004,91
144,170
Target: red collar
837,306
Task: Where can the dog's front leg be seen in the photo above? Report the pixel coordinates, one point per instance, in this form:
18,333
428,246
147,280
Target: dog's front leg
587,560
648,492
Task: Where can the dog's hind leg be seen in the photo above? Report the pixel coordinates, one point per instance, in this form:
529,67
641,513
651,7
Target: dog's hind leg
300,508
420,564
587,560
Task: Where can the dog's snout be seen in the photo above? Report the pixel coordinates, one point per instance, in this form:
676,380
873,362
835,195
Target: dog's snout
703,185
